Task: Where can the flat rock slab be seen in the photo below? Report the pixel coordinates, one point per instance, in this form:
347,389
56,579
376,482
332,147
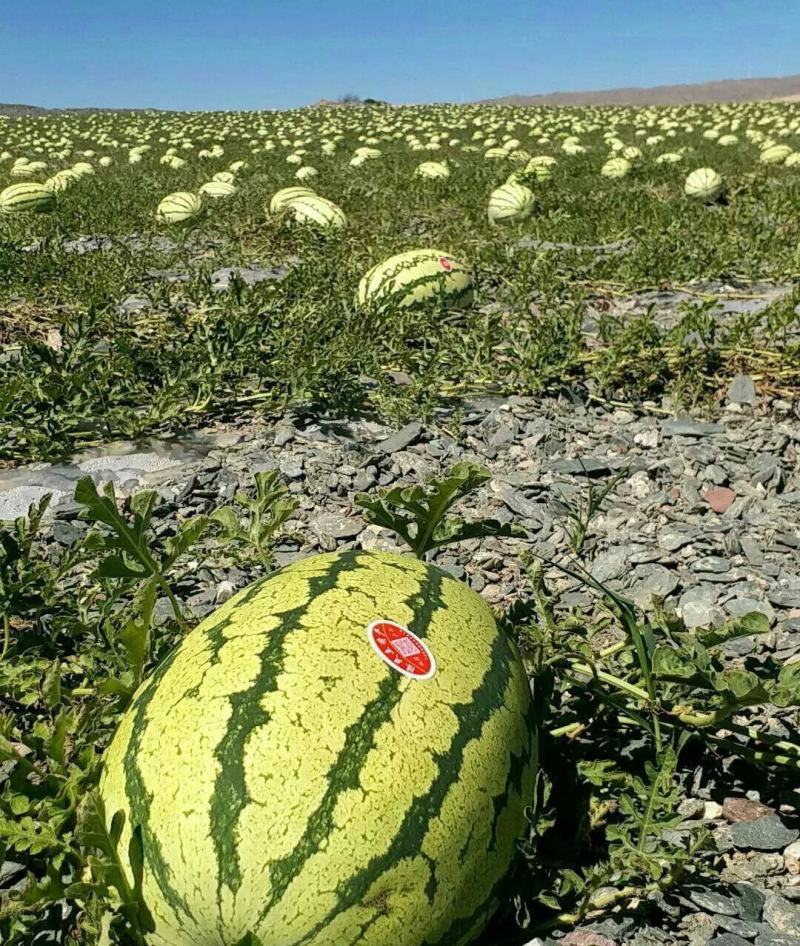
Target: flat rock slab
616,246
221,279
764,834
125,462
15,502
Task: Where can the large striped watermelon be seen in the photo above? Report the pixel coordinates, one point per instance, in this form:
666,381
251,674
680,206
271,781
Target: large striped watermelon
414,277
340,755
27,198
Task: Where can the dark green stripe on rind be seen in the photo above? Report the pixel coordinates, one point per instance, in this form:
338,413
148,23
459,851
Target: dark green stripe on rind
344,773
521,764
139,800
485,701
231,794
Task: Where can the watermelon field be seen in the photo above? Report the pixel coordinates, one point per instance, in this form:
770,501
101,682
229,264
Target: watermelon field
400,527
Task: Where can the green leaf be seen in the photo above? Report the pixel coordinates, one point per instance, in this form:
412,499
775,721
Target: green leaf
228,520
671,664
786,691
135,635
752,623
116,566
745,687
51,685
189,533
418,515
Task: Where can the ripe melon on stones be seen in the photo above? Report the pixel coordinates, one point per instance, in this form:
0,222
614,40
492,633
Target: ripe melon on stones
342,753
413,278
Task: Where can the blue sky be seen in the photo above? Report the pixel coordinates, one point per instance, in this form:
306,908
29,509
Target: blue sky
229,54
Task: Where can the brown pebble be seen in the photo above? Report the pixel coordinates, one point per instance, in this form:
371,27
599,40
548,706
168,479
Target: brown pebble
743,809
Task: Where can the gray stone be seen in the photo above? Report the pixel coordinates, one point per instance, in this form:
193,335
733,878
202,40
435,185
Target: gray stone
714,902
711,563
582,466
15,502
729,939
518,503
733,924
653,580
742,390
690,428
782,915
337,526
284,435
738,607
250,275
290,467
698,607
777,939
225,590
783,597
765,834
125,462
401,439
672,540
133,304
751,901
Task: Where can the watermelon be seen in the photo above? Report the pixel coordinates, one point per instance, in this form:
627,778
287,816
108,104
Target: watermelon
216,189
341,754
510,203
615,167
179,207
415,277
432,170
317,211
281,198
27,198
775,154
703,184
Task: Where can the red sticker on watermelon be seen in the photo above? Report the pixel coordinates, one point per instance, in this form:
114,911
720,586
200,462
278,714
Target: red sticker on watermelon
401,650
445,263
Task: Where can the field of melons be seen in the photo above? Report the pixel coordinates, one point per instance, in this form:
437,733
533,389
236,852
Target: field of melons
358,748
684,195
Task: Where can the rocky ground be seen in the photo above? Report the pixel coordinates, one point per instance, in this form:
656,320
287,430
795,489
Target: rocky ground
705,515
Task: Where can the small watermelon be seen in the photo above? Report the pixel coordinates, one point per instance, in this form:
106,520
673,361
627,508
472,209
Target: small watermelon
435,170
217,189
317,211
775,154
281,198
615,167
179,207
510,203
27,198
703,184
342,753
415,277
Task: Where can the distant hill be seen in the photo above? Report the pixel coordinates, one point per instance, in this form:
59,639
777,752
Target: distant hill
14,111
18,111
723,90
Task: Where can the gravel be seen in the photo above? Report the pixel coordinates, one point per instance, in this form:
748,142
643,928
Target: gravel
706,517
